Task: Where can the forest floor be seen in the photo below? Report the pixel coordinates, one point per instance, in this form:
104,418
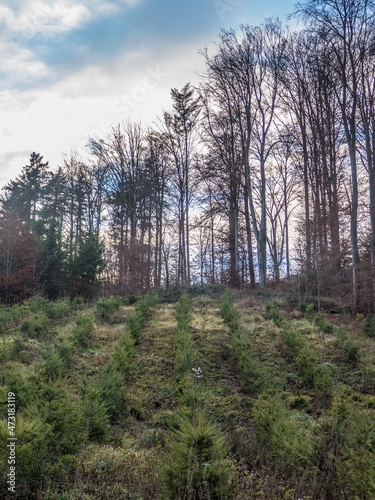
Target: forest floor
284,407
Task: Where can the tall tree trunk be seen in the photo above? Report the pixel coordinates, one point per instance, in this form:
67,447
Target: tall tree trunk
233,234
249,238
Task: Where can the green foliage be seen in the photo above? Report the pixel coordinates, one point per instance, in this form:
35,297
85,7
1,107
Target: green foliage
55,311
305,363
323,382
87,266
142,311
37,304
301,403
252,370
311,314
352,351
228,312
57,406
106,307
18,346
273,313
123,354
173,293
5,351
196,466
77,304
144,305
303,306
311,374
95,416
82,330
65,352
186,359
310,311
369,325
110,385
344,449
52,365
183,313
61,309
324,325
285,433
358,468
135,325
5,317
24,387
35,327
330,449
32,455
293,339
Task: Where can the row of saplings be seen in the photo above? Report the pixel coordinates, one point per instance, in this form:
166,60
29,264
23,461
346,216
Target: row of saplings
334,454
196,465
52,422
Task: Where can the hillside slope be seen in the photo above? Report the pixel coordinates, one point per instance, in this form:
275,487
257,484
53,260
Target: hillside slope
224,397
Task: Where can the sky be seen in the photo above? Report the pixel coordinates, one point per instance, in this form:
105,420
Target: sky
73,69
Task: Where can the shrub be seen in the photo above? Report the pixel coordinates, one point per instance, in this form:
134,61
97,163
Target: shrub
33,453
77,304
82,330
123,354
369,325
301,403
304,327
134,325
357,471
228,312
53,310
251,368
183,314
37,303
310,311
273,313
95,416
110,385
303,306
106,307
322,379
56,406
5,318
65,352
352,351
61,309
24,388
52,365
6,351
196,466
35,327
142,311
324,325
305,363
284,433
344,450
293,340
186,359
144,305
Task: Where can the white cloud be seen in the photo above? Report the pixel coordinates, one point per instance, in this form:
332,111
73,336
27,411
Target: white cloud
45,17
28,19
20,65
61,117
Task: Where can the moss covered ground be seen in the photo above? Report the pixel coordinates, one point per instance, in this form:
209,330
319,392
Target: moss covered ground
226,396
